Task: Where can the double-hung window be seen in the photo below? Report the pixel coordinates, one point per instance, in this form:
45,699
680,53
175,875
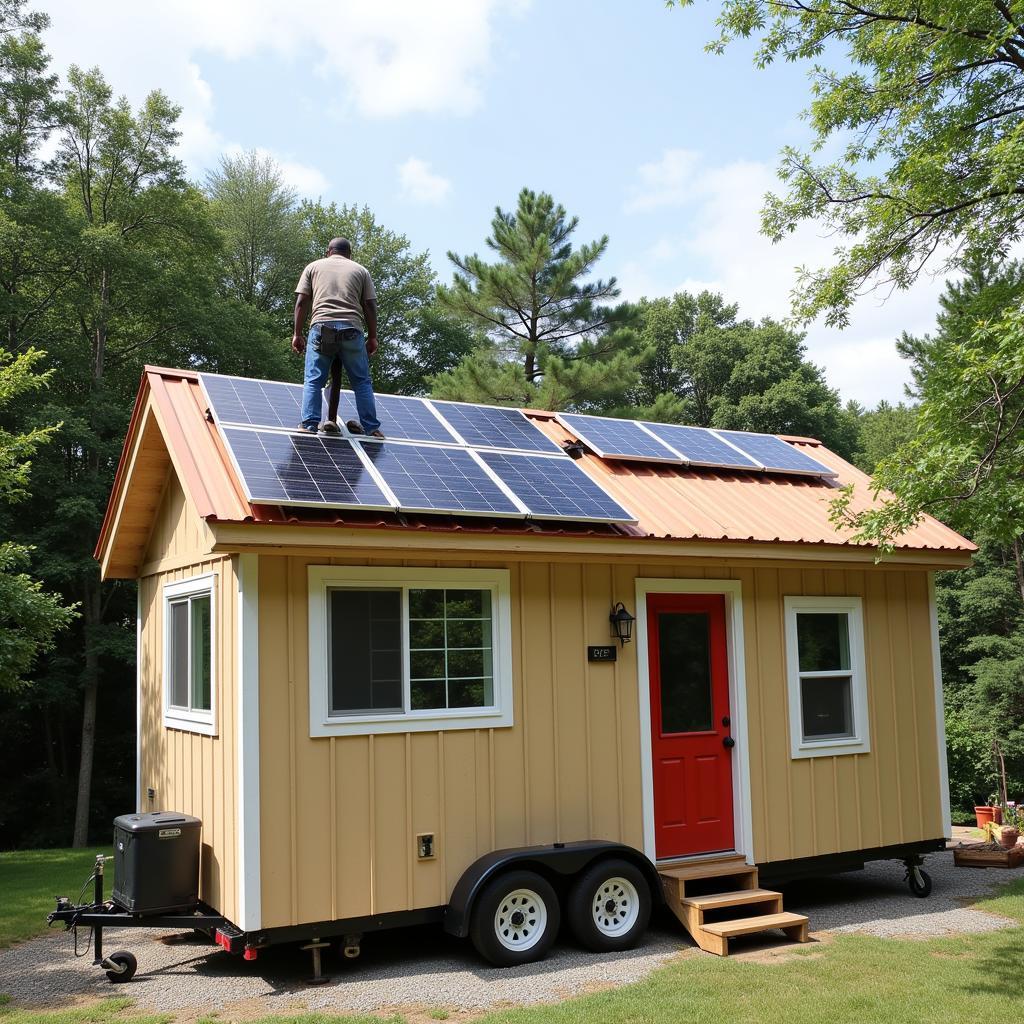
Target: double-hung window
408,650
828,699
189,681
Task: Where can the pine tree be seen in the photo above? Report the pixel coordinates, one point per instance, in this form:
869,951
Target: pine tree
555,340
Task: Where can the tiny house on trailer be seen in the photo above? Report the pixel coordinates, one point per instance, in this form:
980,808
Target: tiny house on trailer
508,668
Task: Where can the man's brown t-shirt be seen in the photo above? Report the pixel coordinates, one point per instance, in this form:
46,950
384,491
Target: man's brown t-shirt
339,286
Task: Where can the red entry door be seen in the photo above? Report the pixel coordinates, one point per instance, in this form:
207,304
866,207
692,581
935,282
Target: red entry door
691,740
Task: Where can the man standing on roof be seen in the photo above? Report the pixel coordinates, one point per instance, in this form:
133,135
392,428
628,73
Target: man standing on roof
343,324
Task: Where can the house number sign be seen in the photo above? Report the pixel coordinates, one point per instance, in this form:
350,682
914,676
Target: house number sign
609,652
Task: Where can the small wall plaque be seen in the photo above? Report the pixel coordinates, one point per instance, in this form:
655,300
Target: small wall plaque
608,652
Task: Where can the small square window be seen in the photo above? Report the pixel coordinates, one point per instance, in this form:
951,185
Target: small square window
826,676
189,655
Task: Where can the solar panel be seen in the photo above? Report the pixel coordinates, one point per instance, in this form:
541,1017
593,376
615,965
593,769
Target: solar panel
302,469
406,419
255,403
701,447
618,439
555,488
490,426
774,454
433,479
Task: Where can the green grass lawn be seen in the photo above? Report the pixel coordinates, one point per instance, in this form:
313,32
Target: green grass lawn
29,881
850,979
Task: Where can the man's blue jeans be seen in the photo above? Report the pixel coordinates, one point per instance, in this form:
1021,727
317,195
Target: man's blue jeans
318,372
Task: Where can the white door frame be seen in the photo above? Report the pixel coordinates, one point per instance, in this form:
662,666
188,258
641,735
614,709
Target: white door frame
732,591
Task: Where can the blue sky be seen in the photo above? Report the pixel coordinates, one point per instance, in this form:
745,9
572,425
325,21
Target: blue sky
432,113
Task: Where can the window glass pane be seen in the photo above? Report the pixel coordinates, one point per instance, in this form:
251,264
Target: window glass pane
178,661
469,633
426,604
426,665
685,666
823,640
365,651
467,604
471,693
201,653
826,707
427,695
465,664
426,633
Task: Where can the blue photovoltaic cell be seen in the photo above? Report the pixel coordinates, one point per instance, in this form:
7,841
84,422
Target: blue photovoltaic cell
775,454
256,403
486,426
623,439
555,488
302,469
700,446
407,419
428,479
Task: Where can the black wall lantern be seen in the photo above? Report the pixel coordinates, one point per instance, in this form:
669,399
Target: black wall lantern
622,623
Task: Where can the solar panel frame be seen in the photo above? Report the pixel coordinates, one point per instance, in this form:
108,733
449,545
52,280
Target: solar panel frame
592,432
679,434
508,459
543,443
308,448
390,411
761,447
223,406
372,450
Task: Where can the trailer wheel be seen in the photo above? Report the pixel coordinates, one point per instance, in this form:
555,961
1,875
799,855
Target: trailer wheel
609,906
919,880
515,919
123,966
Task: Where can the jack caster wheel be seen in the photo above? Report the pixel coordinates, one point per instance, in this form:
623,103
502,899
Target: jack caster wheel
609,906
515,919
120,966
919,880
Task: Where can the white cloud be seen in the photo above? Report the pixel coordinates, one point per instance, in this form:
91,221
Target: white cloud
378,59
718,245
420,184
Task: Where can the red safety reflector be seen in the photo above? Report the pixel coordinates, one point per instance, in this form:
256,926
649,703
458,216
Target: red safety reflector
250,953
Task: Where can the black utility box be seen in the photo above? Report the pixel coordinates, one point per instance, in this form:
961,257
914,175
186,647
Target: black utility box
156,862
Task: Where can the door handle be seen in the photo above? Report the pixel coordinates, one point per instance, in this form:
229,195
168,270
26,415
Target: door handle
728,743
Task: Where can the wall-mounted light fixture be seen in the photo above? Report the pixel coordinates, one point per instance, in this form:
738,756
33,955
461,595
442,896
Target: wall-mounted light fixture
622,624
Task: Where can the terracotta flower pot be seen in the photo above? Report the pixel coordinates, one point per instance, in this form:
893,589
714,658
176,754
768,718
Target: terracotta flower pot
1008,837
987,813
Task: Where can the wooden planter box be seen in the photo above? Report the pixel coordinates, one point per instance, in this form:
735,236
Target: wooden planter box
965,857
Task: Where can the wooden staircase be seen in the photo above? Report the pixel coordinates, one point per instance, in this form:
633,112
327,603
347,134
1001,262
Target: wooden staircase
718,899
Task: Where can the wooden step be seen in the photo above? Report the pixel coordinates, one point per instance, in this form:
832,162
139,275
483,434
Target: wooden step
708,869
740,897
749,925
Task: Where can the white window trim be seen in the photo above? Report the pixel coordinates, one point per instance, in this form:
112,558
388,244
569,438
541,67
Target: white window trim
324,577
859,742
203,722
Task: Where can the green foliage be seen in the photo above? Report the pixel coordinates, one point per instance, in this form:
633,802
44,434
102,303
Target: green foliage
923,105
555,341
880,432
418,339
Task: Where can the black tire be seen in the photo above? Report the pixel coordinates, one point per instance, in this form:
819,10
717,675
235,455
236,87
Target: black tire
604,915
496,938
127,965
920,882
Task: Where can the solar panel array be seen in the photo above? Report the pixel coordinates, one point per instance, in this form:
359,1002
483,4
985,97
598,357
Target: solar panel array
444,457
612,438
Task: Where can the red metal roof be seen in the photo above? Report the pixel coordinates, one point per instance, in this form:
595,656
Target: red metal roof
670,502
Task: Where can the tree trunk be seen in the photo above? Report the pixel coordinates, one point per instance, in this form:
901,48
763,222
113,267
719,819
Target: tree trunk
1018,562
91,613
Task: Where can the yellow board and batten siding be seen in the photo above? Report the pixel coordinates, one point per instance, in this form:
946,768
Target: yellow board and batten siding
339,815
191,773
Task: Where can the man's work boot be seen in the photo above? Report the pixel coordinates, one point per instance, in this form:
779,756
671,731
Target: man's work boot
354,427
306,428
330,427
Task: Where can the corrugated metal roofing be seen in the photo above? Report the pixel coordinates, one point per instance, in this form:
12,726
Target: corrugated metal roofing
670,502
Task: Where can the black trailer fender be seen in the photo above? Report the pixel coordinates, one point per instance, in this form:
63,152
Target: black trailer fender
559,861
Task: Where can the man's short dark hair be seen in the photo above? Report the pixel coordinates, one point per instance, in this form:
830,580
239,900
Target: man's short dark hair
342,246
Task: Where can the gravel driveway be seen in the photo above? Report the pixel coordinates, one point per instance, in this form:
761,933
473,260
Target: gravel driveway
422,967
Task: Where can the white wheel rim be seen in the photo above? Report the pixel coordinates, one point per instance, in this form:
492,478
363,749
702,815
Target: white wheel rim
520,920
616,905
